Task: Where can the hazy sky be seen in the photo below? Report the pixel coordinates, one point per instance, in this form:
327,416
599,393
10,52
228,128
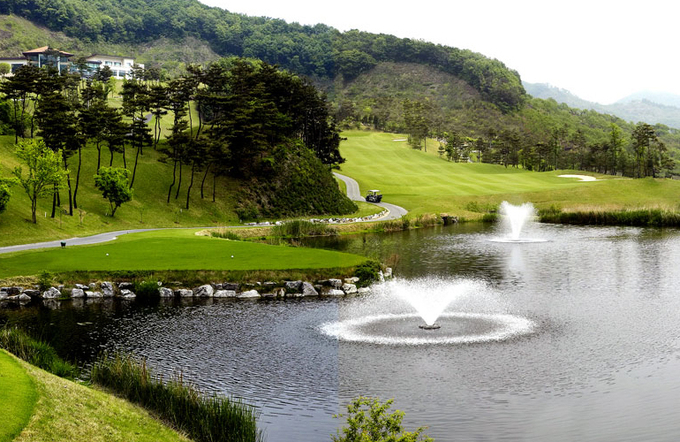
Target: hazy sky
600,50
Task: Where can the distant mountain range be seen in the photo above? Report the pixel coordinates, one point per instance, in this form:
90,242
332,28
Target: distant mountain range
648,107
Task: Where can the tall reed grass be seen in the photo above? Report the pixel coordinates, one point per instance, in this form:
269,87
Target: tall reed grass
201,417
301,228
36,352
637,218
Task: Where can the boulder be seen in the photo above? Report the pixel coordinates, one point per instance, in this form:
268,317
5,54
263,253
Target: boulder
92,286
231,286
11,291
308,289
93,294
32,293
249,294
381,276
335,292
127,294
352,280
204,291
82,286
51,293
335,283
107,289
24,298
3,295
349,289
126,286
388,272
77,293
364,290
165,292
225,294
184,293
293,286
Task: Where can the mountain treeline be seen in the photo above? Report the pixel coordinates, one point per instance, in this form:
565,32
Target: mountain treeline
316,51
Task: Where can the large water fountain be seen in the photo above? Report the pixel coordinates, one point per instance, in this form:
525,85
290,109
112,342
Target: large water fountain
516,220
429,311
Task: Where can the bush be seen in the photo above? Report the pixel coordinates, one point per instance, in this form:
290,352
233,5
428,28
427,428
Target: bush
147,290
367,273
36,352
369,421
45,279
203,418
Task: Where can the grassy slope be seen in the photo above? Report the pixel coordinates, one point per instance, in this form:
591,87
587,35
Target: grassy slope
148,208
18,396
66,411
172,250
424,183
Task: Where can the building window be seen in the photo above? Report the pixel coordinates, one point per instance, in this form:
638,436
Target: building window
117,63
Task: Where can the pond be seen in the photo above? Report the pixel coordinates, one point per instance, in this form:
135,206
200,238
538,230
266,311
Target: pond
597,358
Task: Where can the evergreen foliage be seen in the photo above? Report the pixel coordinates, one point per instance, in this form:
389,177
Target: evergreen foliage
296,183
316,51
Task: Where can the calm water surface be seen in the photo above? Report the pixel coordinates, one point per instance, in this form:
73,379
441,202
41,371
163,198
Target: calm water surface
602,364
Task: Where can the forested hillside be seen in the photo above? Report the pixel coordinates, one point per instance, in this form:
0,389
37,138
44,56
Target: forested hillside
475,106
316,51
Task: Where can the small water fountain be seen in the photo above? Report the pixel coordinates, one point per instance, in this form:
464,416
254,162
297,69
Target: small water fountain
414,312
514,220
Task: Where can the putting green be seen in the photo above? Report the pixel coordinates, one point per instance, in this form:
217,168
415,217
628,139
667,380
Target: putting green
17,397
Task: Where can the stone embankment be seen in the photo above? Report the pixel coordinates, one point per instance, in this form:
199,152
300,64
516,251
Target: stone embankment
373,217
255,290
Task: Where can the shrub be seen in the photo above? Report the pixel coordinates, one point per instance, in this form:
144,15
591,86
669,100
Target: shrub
44,280
36,352
202,417
367,273
368,420
147,290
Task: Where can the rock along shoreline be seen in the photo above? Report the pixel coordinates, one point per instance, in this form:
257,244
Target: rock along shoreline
253,290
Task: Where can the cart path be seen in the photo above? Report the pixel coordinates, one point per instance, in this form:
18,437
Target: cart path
353,193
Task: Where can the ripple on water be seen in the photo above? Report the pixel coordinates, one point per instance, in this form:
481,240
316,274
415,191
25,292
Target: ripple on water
456,328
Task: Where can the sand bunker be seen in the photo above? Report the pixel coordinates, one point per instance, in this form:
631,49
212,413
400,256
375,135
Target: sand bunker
580,177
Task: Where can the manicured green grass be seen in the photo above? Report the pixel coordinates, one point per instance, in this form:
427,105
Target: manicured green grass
423,183
66,411
18,396
171,250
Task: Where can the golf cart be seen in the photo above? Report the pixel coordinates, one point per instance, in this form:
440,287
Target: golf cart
373,196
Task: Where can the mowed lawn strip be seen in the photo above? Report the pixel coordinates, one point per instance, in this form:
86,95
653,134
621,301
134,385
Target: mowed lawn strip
18,396
172,250
424,183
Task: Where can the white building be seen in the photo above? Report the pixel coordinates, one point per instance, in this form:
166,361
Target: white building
120,66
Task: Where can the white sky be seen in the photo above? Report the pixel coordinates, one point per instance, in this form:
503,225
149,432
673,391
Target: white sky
600,50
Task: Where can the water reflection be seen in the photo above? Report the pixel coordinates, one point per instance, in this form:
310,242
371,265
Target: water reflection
602,365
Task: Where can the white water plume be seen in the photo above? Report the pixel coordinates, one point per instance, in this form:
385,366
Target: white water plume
516,217
430,296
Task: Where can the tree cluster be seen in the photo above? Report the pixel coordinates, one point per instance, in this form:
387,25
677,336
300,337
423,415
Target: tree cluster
644,155
229,118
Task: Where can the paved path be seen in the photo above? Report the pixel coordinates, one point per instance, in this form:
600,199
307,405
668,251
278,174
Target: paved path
353,193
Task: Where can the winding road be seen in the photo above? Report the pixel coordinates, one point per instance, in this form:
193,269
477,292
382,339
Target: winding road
353,193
